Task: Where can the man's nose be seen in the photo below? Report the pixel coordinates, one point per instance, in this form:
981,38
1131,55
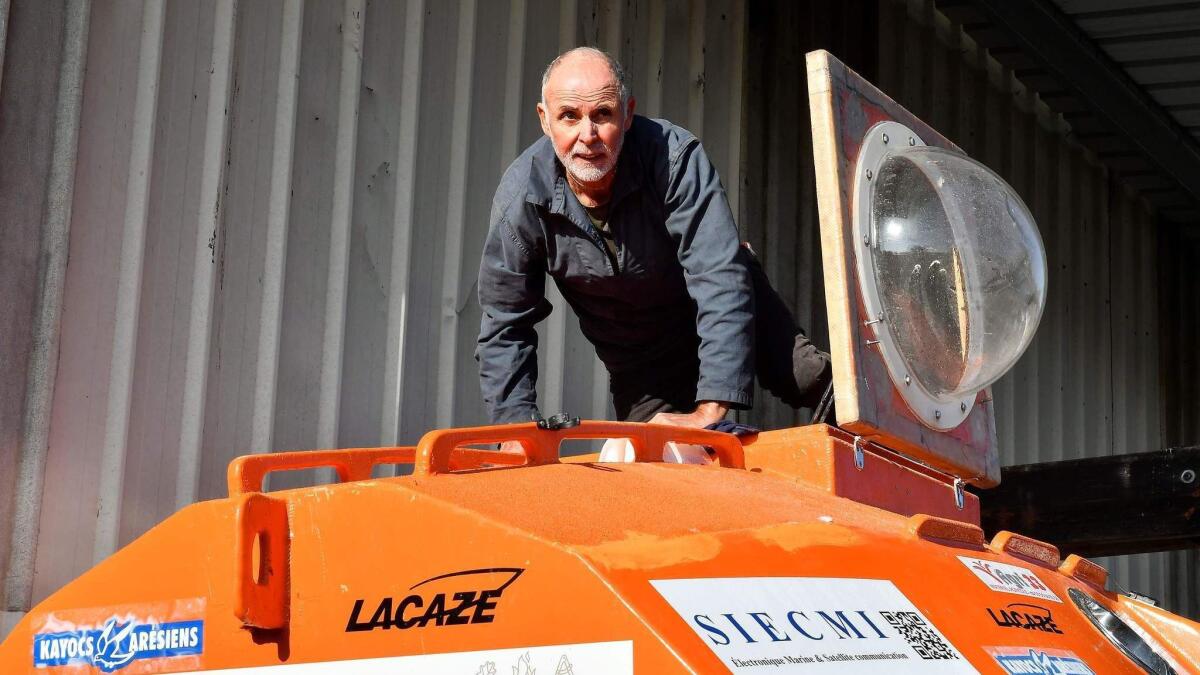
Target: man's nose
587,131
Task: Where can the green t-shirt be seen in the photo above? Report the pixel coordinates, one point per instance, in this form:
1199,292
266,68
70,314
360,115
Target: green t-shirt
599,217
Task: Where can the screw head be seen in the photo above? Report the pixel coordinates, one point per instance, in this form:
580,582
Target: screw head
907,380
1188,476
962,406
937,414
866,240
885,139
912,141
870,175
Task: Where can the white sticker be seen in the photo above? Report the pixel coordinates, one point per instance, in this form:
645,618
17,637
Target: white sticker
1007,578
822,625
599,658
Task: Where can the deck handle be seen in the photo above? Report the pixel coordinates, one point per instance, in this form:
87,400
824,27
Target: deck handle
437,448
261,562
246,473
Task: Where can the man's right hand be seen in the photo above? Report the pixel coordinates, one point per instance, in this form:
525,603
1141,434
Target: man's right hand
706,413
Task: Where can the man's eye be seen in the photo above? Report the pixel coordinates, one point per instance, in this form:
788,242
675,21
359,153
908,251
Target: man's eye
568,116
603,113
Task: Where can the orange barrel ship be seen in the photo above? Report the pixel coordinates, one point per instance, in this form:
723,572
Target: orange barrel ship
481,563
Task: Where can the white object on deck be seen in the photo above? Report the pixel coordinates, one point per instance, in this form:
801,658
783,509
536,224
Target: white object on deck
616,450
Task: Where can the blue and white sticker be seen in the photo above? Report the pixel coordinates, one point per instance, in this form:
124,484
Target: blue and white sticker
154,637
1039,661
118,643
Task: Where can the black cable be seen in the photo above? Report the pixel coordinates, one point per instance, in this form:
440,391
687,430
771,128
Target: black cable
825,407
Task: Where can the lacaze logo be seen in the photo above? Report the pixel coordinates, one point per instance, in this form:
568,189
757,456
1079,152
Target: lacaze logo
454,599
1026,616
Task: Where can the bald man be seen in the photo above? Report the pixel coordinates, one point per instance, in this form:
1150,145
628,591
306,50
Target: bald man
630,220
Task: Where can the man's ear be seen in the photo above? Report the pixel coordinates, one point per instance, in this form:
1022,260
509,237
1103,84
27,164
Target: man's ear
629,108
545,121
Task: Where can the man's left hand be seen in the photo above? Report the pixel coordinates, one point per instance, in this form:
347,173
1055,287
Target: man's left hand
706,413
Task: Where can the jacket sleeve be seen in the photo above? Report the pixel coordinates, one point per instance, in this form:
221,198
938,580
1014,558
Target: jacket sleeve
700,220
512,285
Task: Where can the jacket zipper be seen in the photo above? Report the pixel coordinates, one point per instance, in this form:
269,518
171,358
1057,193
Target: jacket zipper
598,239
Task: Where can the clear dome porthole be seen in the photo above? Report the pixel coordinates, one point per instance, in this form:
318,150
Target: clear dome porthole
952,269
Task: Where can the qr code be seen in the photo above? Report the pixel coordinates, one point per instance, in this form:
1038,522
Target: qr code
927,643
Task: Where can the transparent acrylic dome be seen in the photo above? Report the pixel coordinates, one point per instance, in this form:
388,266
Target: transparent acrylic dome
959,269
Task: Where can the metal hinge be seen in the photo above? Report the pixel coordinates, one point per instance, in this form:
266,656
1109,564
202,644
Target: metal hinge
860,457
556,422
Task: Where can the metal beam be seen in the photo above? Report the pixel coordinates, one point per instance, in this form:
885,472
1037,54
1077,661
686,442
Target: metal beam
1045,33
1101,505
8,621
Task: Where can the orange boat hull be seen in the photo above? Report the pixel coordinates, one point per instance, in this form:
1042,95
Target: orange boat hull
579,567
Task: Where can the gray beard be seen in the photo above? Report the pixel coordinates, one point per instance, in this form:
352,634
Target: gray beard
588,173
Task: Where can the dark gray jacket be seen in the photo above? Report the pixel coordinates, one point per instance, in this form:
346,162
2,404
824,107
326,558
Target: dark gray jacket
679,284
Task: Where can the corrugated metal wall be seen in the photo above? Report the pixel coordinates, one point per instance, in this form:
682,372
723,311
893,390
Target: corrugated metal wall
274,228
1179,321
778,213
40,94
1179,305
1090,384
274,211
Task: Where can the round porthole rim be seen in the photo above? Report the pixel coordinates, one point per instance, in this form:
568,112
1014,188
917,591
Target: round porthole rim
935,413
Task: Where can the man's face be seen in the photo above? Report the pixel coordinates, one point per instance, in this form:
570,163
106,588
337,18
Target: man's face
584,118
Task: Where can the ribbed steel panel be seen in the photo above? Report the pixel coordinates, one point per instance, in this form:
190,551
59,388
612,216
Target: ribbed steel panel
277,217
1155,42
278,206
778,209
39,131
1090,383
1179,307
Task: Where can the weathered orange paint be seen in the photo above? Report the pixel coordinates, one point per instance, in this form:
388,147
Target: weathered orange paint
823,456
1179,637
588,538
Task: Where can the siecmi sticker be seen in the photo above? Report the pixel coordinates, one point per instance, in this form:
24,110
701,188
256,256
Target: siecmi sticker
811,625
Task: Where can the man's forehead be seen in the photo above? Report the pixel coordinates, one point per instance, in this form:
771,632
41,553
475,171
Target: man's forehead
583,77
572,96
